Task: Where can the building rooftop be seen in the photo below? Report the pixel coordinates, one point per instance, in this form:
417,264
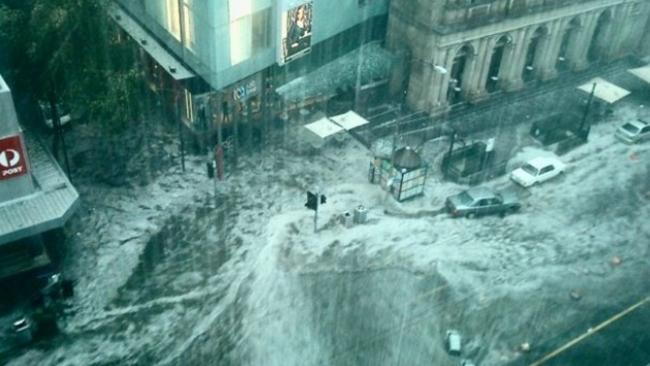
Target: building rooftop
48,207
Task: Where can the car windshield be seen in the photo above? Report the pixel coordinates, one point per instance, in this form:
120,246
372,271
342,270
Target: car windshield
529,169
630,128
465,197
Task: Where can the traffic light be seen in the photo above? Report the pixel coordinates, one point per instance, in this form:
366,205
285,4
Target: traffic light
323,199
312,201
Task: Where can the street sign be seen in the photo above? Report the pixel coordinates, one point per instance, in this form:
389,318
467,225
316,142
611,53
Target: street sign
13,161
312,201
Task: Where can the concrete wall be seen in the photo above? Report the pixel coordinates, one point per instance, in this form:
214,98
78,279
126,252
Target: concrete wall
211,56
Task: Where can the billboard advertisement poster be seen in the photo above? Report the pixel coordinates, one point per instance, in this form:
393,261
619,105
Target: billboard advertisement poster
295,31
13,160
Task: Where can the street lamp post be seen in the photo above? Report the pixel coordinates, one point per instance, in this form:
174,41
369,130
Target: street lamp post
180,132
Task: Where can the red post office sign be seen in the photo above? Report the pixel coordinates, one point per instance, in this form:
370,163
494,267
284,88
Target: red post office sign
13,161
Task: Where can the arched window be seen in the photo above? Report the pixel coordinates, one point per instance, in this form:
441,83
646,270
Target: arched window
568,40
455,92
599,41
528,73
492,82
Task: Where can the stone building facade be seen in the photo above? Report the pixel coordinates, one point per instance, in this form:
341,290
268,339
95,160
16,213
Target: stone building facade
459,51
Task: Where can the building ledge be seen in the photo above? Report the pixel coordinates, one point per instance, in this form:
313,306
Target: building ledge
49,207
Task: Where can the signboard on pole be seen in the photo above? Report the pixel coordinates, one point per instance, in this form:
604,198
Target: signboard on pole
295,31
13,160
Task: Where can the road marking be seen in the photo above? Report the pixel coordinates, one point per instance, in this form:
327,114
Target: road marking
590,332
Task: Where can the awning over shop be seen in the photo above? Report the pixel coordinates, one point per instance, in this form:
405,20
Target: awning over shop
605,91
48,208
148,43
342,72
642,73
324,128
349,120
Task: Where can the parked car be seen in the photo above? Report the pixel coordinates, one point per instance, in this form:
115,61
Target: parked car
634,131
482,201
453,342
63,111
537,171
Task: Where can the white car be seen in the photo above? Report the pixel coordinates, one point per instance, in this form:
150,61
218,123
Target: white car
453,342
537,171
62,110
634,131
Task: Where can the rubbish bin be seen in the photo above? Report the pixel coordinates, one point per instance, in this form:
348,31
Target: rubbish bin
210,168
360,215
23,330
347,219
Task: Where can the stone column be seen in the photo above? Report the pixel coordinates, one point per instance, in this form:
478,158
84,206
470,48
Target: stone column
512,78
477,90
578,54
436,79
549,54
443,87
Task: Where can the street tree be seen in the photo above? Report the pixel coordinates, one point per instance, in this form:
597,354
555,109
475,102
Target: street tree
69,51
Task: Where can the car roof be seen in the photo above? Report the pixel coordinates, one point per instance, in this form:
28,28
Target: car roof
543,161
639,123
478,193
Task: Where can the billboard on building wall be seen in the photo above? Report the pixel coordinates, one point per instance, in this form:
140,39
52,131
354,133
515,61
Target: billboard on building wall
295,31
13,161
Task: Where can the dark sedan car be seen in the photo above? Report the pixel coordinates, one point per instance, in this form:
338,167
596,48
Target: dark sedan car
482,201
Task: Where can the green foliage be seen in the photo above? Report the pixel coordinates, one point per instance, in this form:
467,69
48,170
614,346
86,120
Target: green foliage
68,50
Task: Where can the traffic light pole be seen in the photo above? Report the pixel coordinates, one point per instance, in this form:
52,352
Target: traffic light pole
316,213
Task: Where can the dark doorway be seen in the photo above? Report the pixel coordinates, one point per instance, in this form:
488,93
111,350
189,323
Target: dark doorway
599,41
492,82
455,92
568,40
528,73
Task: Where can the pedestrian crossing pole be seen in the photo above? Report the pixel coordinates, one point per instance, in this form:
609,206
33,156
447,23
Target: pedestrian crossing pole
313,201
316,216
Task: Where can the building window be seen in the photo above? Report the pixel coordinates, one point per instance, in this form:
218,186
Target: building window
261,35
174,16
173,19
188,25
249,31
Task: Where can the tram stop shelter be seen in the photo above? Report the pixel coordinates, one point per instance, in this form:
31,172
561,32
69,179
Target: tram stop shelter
605,91
403,175
326,127
642,73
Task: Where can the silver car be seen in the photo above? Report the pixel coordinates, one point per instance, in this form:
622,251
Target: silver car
482,201
634,131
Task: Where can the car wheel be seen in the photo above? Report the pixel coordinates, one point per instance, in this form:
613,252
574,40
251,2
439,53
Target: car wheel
470,215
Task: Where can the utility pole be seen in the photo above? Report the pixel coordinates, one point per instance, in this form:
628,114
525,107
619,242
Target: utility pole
313,200
58,133
180,131
584,116
316,216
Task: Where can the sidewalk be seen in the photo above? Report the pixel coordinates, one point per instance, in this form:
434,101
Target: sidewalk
504,109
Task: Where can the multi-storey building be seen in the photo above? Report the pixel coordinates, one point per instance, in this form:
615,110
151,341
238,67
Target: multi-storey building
465,50
219,58
35,195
